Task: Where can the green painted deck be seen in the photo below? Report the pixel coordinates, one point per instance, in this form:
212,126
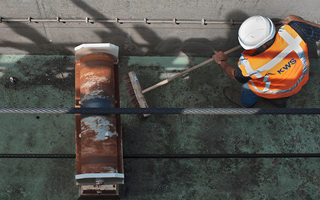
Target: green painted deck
48,81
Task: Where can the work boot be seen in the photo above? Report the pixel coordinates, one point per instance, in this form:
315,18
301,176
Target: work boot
280,103
233,96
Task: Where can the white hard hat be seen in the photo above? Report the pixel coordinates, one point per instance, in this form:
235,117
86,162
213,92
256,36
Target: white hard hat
255,31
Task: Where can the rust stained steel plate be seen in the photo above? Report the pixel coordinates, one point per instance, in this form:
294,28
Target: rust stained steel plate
98,145
98,133
103,83
96,76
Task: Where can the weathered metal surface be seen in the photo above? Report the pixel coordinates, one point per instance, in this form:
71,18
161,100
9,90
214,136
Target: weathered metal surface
78,143
98,133
97,80
77,118
118,116
98,137
98,145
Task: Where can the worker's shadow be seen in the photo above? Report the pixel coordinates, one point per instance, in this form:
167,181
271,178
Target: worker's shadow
32,71
154,45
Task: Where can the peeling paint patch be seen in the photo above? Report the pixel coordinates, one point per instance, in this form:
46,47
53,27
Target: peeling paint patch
111,169
88,74
100,125
94,80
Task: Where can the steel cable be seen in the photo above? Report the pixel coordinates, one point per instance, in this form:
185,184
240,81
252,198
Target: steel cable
37,155
222,155
177,156
183,111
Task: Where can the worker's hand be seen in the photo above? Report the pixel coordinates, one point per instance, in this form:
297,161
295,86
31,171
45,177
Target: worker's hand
219,56
290,18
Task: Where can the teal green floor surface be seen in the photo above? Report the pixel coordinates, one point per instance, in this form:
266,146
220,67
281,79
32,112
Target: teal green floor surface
48,81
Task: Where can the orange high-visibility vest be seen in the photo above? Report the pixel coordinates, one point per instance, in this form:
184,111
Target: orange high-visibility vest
281,70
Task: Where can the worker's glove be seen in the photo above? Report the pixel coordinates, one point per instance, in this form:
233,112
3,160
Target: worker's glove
218,57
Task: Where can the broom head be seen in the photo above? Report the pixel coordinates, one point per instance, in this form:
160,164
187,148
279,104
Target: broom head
135,92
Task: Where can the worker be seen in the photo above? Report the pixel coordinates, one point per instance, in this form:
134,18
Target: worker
274,64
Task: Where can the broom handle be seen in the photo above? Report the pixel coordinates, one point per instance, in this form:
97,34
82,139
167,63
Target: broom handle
189,70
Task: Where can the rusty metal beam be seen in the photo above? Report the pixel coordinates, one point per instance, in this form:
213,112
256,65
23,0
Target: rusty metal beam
98,137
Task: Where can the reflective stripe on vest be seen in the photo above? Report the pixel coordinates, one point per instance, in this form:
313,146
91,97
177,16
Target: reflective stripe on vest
248,67
293,45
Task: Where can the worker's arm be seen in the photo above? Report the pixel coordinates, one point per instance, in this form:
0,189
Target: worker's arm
309,31
290,18
221,59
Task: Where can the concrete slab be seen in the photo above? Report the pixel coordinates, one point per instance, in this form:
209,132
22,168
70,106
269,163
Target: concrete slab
37,178
42,81
222,179
48,81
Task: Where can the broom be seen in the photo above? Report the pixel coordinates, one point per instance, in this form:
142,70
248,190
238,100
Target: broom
136,93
